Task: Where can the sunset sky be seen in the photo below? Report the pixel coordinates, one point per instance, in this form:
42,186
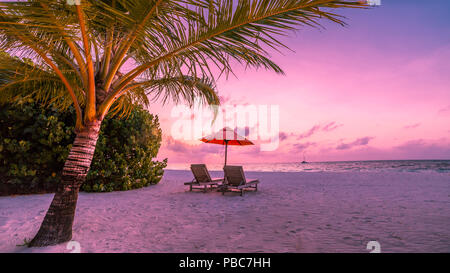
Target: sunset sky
378,88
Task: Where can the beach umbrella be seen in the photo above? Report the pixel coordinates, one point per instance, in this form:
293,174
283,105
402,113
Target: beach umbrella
226,136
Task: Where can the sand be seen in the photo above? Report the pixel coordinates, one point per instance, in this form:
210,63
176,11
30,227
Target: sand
292,212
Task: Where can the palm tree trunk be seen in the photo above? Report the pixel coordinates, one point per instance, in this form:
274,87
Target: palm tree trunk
57,225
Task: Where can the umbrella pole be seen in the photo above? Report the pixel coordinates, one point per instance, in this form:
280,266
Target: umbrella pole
226,150
224,176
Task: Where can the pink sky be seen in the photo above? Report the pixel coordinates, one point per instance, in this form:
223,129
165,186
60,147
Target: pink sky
376,89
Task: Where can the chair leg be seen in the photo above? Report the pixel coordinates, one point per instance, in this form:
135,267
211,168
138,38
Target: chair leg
190,187
242,192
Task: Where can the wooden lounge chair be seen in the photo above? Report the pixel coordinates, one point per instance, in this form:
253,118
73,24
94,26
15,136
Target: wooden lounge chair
235,180
202,180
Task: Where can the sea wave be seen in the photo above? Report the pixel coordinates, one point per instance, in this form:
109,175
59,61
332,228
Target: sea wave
440,166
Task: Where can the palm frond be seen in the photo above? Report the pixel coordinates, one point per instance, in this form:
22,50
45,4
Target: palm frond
182,88
178,47
22,79
222,32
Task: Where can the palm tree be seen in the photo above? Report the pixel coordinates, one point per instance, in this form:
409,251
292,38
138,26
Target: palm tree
102,55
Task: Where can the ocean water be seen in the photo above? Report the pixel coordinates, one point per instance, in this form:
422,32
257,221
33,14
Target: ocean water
440,166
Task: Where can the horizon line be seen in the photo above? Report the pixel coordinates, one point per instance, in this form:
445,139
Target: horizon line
329,161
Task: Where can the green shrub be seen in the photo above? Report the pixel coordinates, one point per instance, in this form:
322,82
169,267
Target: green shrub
35,141
124,152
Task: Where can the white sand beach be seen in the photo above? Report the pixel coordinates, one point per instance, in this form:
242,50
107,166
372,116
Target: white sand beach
292,212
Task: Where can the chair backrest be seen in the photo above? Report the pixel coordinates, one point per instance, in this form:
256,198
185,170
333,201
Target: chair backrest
234,175
200,173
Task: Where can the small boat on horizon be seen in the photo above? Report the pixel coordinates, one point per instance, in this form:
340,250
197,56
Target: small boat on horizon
304,160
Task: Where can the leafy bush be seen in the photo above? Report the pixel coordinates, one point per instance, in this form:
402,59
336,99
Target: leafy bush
35,141
124,152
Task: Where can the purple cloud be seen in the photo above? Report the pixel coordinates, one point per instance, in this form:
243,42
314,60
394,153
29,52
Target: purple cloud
302,146
444,110
411,143
317,128
283,136
176,146
331,126
310,132
420,148
359,142
412,126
